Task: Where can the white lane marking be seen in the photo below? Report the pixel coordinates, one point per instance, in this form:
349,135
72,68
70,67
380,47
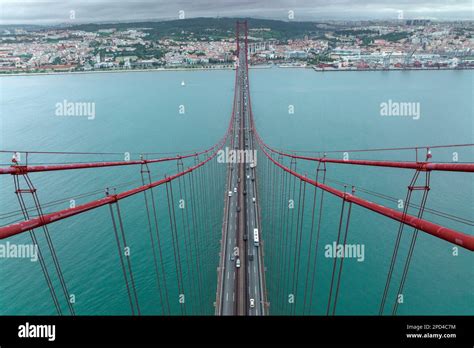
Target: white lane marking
234,275
227,296
254,268
255,290
233,297
228,274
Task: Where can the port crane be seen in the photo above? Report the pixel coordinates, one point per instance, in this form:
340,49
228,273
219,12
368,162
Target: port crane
408,58
386,61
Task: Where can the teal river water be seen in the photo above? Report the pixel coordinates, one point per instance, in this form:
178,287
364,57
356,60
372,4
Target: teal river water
138,112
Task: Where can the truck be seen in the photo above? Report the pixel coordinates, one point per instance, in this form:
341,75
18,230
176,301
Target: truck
255,237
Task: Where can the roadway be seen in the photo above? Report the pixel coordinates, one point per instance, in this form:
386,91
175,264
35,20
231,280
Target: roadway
254,265
241,286
230,271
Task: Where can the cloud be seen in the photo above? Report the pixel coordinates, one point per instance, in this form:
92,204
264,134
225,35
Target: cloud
58,11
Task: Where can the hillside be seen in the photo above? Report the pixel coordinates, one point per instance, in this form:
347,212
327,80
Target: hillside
214,28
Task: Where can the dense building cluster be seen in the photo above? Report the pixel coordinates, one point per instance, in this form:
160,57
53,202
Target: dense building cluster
385,45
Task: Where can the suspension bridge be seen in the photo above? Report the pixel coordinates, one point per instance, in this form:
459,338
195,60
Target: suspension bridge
260,224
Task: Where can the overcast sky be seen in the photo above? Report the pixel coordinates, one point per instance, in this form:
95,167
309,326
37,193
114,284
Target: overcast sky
59,11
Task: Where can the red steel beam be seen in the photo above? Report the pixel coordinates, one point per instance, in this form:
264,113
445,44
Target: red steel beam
23,226
463,240
18,169
424,166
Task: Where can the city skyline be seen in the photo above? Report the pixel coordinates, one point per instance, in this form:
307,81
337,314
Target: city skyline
72,11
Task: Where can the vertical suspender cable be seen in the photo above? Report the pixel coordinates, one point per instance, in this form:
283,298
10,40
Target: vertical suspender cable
397,243
334,252
321,201
145,169
281,245
342,260
195,282
204,225
196,246
292,309
169,194
129,262
35,242
286,244
180,167
290,228
158,239
275,236
300,223
310,245
120,251
413,241
50,245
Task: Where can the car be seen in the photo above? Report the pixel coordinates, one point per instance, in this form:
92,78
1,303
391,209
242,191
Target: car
253,199
245,192
245,236
253,179
252,303
248,176
235,189
237,263
238,209
232,257
250,257
238,180
230,194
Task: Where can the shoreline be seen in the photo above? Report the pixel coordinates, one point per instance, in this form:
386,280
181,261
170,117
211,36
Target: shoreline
220,68
391,69
112,71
